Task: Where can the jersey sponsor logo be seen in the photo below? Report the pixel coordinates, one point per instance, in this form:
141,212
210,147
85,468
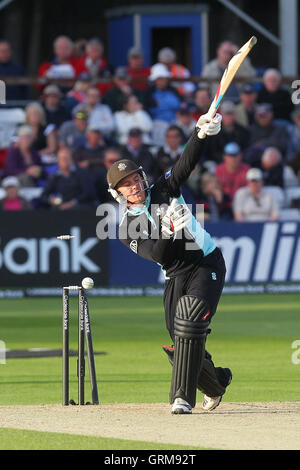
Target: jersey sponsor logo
133,246
168,174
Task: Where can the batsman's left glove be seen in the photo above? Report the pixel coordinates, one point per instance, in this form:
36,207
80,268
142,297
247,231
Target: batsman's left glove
176,218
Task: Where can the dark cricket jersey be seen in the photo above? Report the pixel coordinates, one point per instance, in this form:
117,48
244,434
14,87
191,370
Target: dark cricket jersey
140,228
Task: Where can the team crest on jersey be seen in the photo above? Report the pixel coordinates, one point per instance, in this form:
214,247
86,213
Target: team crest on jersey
122,166
168,174
133,246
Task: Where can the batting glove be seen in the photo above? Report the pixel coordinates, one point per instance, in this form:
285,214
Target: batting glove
207,126
176,218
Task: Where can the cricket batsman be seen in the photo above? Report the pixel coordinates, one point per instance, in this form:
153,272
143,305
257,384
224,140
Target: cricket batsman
194,277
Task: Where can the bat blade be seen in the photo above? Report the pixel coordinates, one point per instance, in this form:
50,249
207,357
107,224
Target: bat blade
229,74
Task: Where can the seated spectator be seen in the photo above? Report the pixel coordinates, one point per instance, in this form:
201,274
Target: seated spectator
55,112
111,155
23,161
161,100
70,187
12,201
94,63
44,136
216,67
171,151
202,101
232,172
186,122
132,116
245,110
265,132
230,132
89,154
274,172
254,203
136,150
10,68
136,68
274,94
100,114
72,132
167,57
77,95
63,64
293,143
114,98
217,205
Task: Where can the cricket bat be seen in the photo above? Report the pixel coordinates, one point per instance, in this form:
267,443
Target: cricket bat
228,75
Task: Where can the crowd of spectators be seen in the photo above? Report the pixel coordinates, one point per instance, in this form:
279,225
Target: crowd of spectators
68,137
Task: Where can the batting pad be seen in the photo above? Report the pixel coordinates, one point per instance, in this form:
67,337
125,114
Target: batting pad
190,330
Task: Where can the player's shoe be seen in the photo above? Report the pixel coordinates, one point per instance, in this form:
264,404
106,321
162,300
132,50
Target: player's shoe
225,377
181,407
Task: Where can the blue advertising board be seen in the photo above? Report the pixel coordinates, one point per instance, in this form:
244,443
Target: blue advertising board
253,252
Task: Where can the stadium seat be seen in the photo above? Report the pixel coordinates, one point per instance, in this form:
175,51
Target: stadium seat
290,214
278,195
10,119
30,193
290,194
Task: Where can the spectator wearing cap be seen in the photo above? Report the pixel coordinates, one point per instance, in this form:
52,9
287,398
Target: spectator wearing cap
172,149
230,132
215,69
77,94
135,149
245,110
293,143
11,68
232,172
161,100
273,93
265,132
122,88
100,114
132,116
72,132
55,112
201,101
23,161
136,68
70,187
63,65
12,201
94,63
185,121
254,203
89,153
167,57
44,135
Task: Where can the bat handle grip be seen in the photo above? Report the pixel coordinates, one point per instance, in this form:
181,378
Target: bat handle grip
210,115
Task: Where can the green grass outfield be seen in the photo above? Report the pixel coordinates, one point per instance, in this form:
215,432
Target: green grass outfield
251,334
